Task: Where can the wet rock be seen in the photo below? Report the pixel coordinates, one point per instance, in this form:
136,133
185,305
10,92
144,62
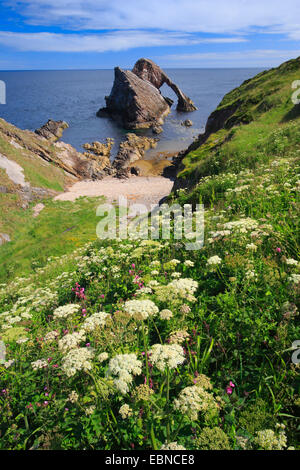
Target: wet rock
187,123
134,170
99,148
133,148
169,101
157,129
52,130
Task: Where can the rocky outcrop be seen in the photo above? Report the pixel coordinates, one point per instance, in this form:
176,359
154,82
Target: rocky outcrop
147,70
135,100
187,123
98,148
52,130
133,148
100,153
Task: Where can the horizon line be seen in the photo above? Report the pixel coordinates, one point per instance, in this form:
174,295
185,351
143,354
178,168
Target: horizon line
125,68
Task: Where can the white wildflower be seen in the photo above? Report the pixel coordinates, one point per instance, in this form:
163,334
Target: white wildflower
65,311
140,309
77,360
125,411
167,355
39,364
123,367
165,314
96,320
214,261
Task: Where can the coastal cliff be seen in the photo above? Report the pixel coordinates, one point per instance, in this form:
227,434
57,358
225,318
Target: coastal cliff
241,132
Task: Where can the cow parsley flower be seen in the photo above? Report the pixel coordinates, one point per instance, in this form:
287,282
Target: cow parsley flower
77,360
125,411
165,314
39,364
65,311
214,261
96,320
172,446
140,309
51,336
195,399
269,440
166,355
71,341
103,357
123,367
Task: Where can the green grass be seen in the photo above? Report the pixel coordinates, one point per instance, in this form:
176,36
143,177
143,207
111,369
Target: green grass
37,172
60,228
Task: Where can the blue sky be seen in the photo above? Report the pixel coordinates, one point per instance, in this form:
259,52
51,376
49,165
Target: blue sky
93,34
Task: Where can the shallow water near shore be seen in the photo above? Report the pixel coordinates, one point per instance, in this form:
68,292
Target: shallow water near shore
76,95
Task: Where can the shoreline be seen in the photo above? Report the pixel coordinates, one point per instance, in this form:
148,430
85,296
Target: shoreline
146,190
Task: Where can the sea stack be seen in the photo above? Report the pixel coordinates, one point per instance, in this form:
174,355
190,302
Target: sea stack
135,100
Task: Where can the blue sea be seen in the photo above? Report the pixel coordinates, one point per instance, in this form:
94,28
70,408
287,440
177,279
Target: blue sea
75,96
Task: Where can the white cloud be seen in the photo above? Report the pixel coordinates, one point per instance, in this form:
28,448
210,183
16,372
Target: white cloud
112,41
211,16
250,58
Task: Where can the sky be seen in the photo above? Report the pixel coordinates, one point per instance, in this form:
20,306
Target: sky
100,34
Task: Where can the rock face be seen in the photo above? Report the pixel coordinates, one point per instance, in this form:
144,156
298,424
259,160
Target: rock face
135,100
131,150
147,70
52,130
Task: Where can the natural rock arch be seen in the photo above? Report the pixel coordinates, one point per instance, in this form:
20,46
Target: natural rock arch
147,70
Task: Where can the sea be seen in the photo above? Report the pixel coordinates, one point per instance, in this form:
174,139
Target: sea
74,96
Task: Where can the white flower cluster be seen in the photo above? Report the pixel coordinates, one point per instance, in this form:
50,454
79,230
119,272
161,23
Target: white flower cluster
178,337
39,364
194,399
166,355
103,357
270,440
214,260
125,411
77,360
140,309
73,397
172,446
291,262
188,263
242,225
124,367
51,336
165,314
71,341
295,278
65,311
251,247
96,320
178,289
